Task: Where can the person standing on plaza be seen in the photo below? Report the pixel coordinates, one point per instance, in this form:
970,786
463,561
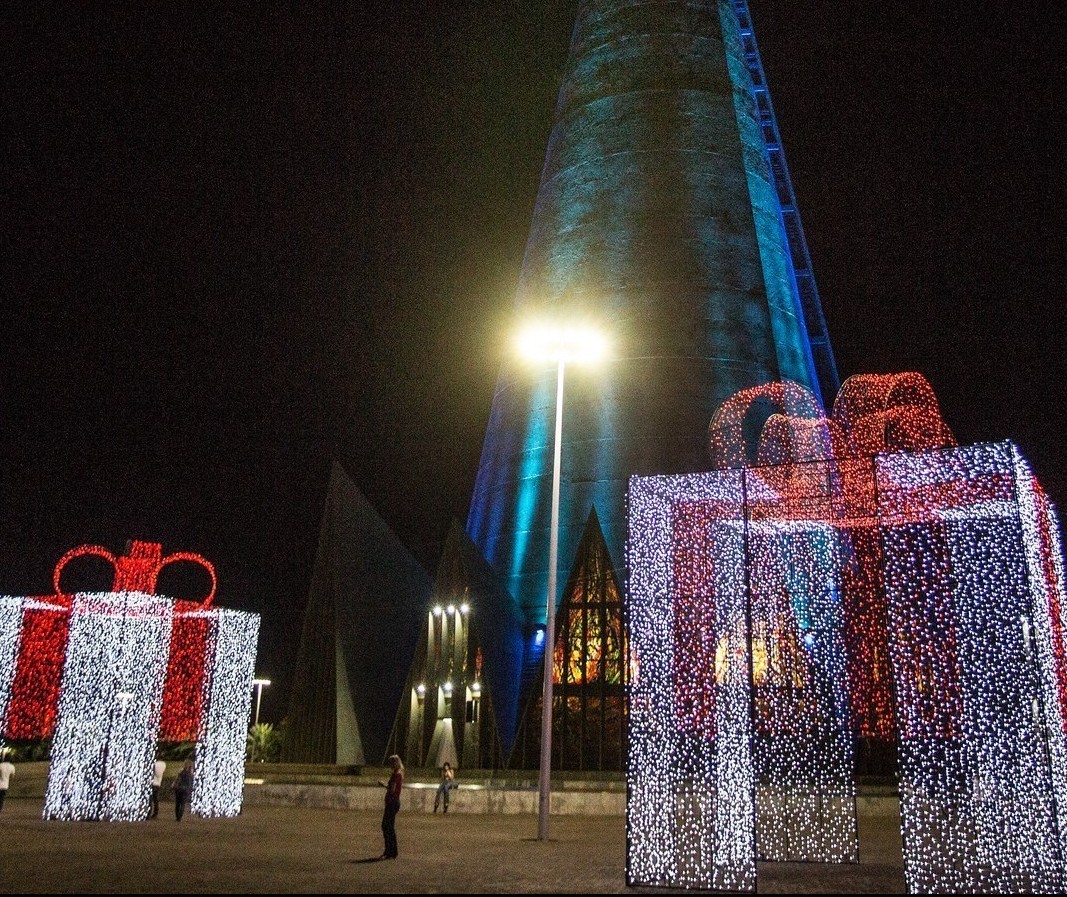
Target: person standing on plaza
158,768
183,789
7,770
448,782
392,806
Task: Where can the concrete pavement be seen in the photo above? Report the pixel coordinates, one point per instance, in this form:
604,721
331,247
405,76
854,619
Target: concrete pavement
306,849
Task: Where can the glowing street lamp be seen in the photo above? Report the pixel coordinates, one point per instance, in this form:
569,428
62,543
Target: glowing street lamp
259,686
559,343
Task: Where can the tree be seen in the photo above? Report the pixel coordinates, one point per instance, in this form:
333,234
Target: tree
264,744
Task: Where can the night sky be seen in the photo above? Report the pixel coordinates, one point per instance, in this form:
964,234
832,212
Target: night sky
235,247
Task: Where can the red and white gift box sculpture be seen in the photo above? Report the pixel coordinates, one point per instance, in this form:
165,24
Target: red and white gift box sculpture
110,674
862,576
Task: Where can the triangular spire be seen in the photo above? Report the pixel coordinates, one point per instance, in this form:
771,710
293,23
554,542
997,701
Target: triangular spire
367,594
590,668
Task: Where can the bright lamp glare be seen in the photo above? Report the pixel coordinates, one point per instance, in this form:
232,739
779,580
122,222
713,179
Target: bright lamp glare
572,343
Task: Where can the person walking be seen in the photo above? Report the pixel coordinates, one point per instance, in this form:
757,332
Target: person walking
392,806
7,770
183,789
448,782
158,768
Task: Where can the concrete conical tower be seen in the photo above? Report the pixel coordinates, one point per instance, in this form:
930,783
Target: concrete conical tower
663,216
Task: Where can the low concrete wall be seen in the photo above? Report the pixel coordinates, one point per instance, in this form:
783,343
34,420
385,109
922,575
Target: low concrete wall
358,792
419,797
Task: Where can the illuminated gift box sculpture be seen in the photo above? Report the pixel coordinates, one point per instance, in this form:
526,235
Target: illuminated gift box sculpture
110,674
864,575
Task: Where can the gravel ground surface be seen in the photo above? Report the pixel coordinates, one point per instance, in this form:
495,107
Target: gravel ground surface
296,849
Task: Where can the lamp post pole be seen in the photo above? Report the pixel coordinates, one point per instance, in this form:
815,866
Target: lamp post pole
559,342
545,781
259,683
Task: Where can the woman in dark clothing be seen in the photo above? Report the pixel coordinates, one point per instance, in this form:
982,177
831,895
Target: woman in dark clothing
392,806
183,789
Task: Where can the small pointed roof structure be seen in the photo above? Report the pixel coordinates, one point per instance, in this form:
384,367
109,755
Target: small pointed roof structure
590,670
491,656
498,621
360,630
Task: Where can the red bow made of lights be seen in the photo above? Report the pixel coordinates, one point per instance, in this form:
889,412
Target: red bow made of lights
138,569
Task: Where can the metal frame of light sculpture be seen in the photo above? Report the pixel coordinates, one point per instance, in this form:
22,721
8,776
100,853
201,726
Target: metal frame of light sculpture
111,673
34,687
803,757
217,790
10,634
36,667
872,414
937,570
1045,567
690,805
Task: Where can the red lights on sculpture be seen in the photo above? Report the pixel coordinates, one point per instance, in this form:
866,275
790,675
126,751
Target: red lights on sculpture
856,574
138,569
35,685
34,697
818,470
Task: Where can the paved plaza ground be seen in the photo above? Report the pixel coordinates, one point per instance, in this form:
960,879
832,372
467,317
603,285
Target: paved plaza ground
301,849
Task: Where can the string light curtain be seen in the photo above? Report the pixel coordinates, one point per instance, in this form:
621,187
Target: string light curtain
739,742
974,639
218,786
37,667
10,632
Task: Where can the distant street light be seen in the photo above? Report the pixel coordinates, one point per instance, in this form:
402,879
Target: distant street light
559,343
259,685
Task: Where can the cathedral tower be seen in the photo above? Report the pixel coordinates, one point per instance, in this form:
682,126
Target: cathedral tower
665,216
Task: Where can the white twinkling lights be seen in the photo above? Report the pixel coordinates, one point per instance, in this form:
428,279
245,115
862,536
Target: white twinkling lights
10,631
739,585
111,700
109,707
740,701
1044,559
220,755
110,674
975,627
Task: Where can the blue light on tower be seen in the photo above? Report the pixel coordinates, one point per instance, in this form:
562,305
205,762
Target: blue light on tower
659,214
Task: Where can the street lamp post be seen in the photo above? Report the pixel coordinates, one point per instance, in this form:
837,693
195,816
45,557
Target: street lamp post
559,344
545,778
259,685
